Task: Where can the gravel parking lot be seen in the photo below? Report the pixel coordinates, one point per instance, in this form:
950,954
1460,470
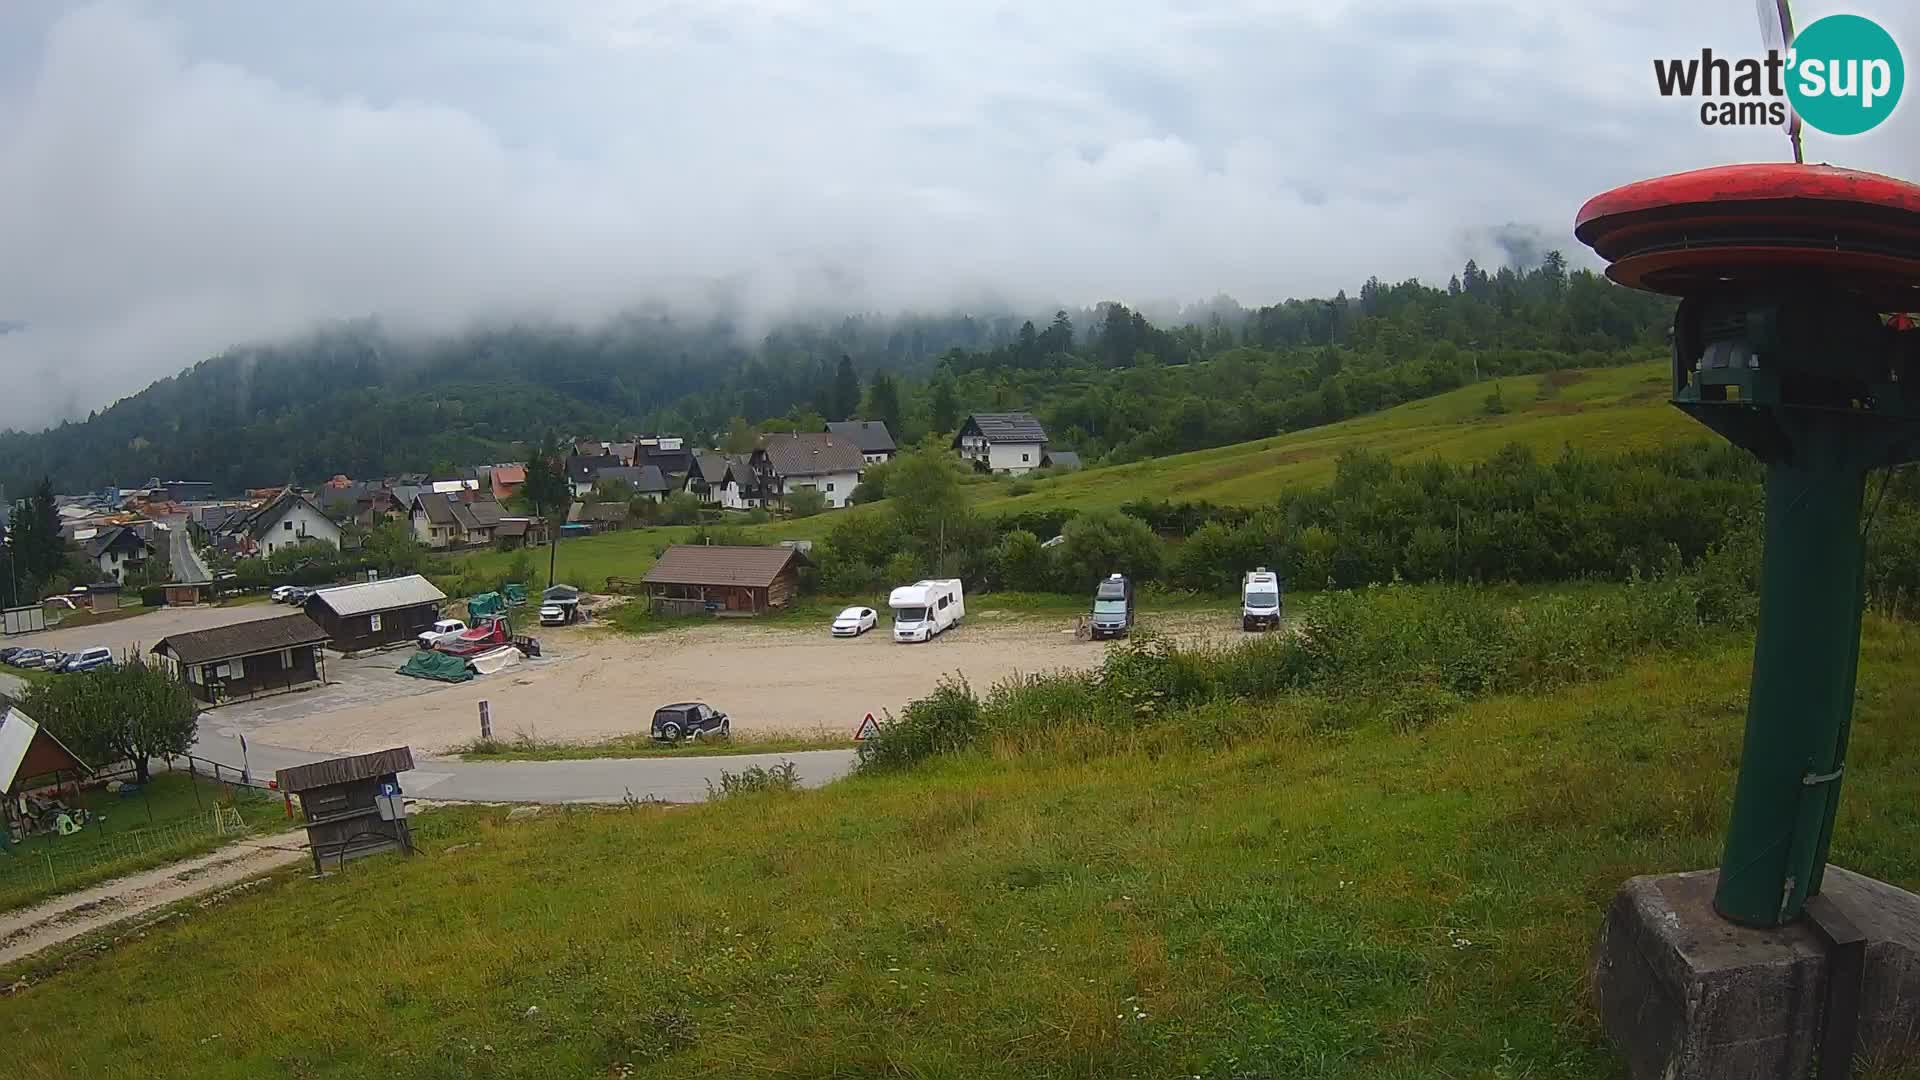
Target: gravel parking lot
595,684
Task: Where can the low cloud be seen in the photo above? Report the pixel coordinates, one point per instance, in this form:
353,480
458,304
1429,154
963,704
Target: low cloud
178,178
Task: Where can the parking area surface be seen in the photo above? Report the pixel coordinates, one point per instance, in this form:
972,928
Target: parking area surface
594,685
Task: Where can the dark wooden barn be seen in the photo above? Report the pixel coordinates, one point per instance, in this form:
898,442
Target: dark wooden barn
690,578
353,806
373,614
246,660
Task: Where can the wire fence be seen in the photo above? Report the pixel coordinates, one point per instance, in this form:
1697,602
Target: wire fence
50,861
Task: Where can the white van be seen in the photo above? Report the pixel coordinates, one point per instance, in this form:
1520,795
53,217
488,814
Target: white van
925,608
1260,600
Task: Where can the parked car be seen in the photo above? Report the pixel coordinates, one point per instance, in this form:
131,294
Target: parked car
7,654
298,597
926,608
280,593
671,722
87,659
441,629
45,660
855,621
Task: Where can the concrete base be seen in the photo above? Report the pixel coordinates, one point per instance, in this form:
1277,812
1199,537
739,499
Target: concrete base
1686,994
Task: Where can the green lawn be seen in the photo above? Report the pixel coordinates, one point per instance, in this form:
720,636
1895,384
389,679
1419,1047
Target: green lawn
157,825
1304,903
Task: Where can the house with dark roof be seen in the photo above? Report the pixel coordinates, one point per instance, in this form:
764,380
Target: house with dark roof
245,660
723,480
373,614
584,471
646,481
118,551
668,454
871,436
288,519
1011,443
441,520
799,461
691,578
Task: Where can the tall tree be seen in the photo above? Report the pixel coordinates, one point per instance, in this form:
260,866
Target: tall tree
741,438
36,549
883,402
846,390
946,405
126,712
549,492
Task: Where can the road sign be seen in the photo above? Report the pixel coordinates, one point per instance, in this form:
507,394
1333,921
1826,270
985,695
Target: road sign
868,729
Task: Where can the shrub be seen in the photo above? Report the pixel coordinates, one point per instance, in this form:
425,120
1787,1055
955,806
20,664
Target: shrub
782,777
944,722
806,502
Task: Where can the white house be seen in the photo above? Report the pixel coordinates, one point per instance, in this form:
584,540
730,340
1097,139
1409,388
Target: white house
723,480
1002,442
821,461
291,518
117,551
871,436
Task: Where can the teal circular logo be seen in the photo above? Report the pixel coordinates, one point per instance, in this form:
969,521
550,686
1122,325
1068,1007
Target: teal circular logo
1844,74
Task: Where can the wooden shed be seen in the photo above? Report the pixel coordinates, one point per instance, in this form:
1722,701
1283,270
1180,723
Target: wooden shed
373,614
353,806
246,660
691,578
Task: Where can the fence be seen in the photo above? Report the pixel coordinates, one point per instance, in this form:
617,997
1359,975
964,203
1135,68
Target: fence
49,861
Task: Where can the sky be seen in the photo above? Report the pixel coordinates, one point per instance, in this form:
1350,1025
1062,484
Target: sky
180,177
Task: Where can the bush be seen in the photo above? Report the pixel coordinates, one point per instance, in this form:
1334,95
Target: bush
1102,543
806,502
944,722
782,777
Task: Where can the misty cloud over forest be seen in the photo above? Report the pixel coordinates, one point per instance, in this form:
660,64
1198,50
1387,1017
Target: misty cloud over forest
179,177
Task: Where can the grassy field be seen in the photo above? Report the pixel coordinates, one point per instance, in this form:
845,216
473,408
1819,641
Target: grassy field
1353,903
158,825
1602,409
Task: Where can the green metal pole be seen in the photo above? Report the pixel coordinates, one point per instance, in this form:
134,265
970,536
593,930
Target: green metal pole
1801,700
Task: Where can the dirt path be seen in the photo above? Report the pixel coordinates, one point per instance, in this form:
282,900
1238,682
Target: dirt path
28,931
768,679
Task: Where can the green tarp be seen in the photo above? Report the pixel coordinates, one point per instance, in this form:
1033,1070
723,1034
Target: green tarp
485,604
431,664
516,594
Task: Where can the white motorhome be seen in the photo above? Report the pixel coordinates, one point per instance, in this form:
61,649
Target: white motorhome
925,608
1260,600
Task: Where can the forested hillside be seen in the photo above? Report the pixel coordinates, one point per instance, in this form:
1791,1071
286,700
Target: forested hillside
355,398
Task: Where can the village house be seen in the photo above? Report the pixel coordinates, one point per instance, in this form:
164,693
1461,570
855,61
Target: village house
290,519
598,517
508,480
246,659
647,481
691,578
443,521
1064,460
819,461
871,436
584,471
118,550
373,614
665,452
723,480
1012,443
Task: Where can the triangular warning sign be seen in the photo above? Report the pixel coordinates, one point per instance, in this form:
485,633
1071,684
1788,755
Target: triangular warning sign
868,729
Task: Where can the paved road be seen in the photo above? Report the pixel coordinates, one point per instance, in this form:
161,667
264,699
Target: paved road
602,780
185,561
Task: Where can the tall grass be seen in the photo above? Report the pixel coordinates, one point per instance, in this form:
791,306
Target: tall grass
1395,654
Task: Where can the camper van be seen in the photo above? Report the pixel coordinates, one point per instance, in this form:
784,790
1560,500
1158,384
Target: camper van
1260,600
925,608
1113,607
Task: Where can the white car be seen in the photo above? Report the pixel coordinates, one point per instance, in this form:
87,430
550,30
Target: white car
280,593
443,628
855,621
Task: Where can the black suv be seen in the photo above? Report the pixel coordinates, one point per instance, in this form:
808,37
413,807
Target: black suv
672,722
